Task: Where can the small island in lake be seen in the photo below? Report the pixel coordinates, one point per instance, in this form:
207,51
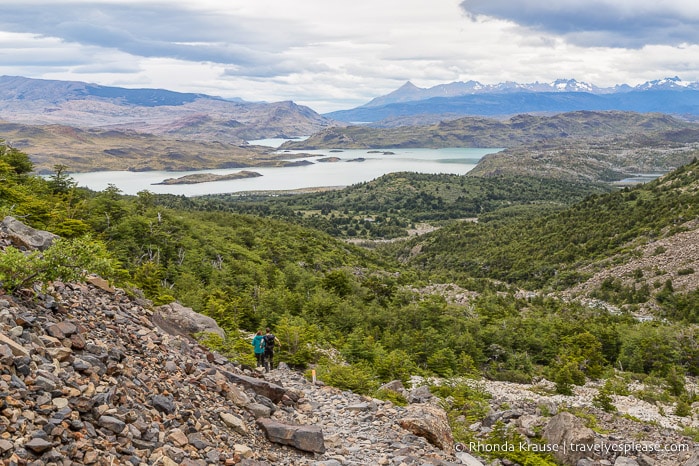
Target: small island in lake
358,159
208,177
329,159
294,163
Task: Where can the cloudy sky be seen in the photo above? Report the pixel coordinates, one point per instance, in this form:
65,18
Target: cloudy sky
337,54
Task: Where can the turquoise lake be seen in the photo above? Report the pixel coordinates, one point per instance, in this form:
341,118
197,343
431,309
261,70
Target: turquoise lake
347,171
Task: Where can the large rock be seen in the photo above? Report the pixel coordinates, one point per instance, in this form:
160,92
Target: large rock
430,422
306,438
395,386
420,394
272,391
176,319
234,422
24,236
15,348
571,437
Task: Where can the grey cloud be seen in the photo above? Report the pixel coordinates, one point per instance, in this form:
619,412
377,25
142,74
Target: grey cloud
274,68
596,23
150,30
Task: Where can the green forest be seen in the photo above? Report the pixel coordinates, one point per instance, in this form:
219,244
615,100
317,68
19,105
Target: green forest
364,316
388,206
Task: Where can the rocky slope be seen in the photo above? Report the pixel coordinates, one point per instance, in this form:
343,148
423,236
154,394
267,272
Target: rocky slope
636,426
91,375
87,378
84,150
672,258
579,146
591,160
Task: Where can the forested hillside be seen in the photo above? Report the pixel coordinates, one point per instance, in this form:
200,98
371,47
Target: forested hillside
453,305
389,206
549,251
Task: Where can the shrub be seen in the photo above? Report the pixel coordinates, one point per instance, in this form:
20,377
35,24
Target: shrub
392,396
299,341
566,375
355,377
603,399
675,380
682,408
462,399
236,348
442,362
564,380
691,432
502,435
66,259
395,365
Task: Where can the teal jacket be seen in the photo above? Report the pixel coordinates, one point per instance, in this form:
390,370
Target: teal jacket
257,343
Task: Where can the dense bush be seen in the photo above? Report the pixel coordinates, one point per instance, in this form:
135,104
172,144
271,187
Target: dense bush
67,260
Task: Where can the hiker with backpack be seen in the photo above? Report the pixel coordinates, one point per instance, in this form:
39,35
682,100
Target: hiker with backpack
258,343
269,341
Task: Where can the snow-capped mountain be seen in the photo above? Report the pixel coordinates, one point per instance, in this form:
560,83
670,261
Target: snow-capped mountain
410,92
668,95
667,84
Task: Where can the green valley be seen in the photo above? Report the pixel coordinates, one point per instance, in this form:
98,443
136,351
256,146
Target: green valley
379,309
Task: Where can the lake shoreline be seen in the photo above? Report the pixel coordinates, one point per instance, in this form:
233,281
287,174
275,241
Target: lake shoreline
295,173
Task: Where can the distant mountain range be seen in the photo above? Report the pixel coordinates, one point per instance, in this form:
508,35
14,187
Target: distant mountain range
92,127
159,112
515,131
410,104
